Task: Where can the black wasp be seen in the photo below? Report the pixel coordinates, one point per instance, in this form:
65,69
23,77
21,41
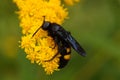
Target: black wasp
63,39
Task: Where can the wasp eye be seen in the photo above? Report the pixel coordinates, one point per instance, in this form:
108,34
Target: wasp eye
46,25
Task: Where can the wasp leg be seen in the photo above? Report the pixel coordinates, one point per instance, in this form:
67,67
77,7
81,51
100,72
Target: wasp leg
57,42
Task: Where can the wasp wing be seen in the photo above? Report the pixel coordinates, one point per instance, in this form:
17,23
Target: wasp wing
67,37
75,45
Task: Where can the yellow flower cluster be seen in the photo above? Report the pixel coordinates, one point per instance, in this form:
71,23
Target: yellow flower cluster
71,2
39,48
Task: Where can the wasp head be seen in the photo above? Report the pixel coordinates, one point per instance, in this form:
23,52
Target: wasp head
45,25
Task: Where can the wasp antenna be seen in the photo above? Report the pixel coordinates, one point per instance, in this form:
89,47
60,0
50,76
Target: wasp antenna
39,27
43,19
36,31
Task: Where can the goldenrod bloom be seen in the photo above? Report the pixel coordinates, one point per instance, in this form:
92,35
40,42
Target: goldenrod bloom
71,2
39,48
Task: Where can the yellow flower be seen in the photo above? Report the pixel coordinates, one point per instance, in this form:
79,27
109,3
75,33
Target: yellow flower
39,48
71,2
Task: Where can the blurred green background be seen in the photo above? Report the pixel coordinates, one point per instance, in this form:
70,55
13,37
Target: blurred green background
94,23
